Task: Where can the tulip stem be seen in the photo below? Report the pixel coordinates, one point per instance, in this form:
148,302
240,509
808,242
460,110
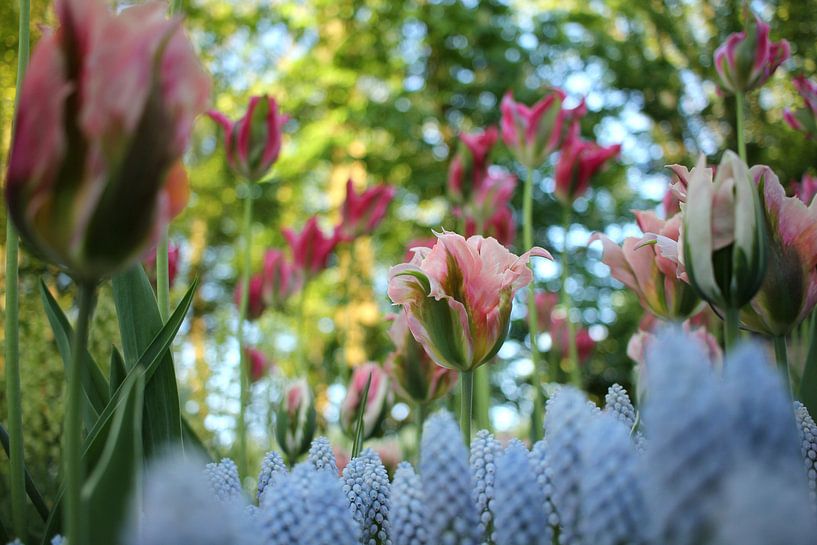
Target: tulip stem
12,348
162,277
537,417
782,359
301,367
467,385
730,328
575,371
246,233
421,408
739,111
75,516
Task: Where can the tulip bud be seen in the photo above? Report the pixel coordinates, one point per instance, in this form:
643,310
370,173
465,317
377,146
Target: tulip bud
559,335
724,234
362,213
279,279
806,188
252,143
458,297
415,376
532,133
259,364
310,248
377,403
579,161
105,114
255,301
470,164
789,290
295,423
748,59
804,119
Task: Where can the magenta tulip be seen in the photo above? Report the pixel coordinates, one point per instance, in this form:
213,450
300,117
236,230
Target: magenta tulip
533,133
255,302
252,143
748,59
488,212
105,114
804,119
377,403
310,248
259,364
806,188
457,297
579,161
470,164
280,280
362,213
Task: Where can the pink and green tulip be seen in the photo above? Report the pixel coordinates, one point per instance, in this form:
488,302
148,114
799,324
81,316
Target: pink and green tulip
532,133
457,297
804,119
806,188
377,403
362,213
295,423
105,114
748,59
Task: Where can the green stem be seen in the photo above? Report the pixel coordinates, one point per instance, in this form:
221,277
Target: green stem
12,334
76,518
782,359
246,233
467,385
301,366
730,328
421,408
482,397
163,278
527,240
739,110
175,7
573,358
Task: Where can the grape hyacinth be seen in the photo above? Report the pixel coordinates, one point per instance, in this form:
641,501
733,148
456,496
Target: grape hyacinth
618,403
321,455
224,480
367,488
272,467
539,463
282,512
808,446
452,515
327,520
518,515
484,452
612,501
407,515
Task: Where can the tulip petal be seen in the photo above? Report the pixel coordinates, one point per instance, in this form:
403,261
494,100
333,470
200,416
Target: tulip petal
697,232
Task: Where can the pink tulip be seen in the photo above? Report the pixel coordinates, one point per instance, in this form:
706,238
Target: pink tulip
260,365
280,280
501,225
105,114
804,119
362,213
533,133
789,290
310,248
579,161
488,211
546,302
639,345
173,253
377,403
671,203
806,188
252,143
255,302
559,336
658,281
295,420
418,243
748,59
414,375
457,297
470,164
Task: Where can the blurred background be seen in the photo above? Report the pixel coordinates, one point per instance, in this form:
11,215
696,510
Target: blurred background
378,91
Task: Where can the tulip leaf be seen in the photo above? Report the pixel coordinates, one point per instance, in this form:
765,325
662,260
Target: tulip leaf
31,489
139,321
94,385
117,371
108,491
4,535
359,427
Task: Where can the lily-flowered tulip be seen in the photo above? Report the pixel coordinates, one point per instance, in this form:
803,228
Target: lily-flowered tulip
457,297
259,364
295,421
724,239
559,335
362,213
470,165
748,59
255,301
644,269
252,143
488,211
500,225
105,114
173,255
377,403
532,133
804,119
310,248
579,161
280,280
806,188
415,376
789,290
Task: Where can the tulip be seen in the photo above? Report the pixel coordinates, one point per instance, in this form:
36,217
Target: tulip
470,164
647,272
579,161
259,363
295,423
560,337
545,304
488,213
255,302
789,290
377,402
418,243
501,225
252,143
458,296
280,280
806,188
362,213
532,133
748,59
804,119
173,253
414,375
105,114
310,248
